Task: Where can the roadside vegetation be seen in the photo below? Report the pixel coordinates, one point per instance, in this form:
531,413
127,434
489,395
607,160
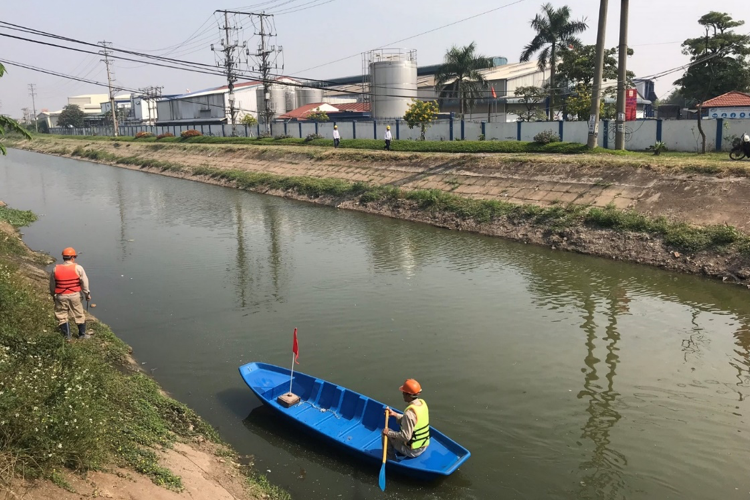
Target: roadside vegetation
681,236
80,406
370,144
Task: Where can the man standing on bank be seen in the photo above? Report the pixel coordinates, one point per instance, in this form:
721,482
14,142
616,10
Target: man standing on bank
388,138
336,136
66,283
414,437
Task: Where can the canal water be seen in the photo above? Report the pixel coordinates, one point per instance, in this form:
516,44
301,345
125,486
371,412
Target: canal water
566,376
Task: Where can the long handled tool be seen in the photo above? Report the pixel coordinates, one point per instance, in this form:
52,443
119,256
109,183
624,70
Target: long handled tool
381,481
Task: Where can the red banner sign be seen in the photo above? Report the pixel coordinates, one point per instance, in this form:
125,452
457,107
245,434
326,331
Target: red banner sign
631,104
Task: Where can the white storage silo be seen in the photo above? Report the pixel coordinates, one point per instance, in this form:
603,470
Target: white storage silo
277,101
393,82
307,95
291,98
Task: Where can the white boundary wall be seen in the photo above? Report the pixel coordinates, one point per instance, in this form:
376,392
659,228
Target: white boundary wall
678,135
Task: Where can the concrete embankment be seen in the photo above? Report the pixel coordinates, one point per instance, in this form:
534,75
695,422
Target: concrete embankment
684,194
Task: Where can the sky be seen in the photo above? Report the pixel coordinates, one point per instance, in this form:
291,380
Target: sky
314,33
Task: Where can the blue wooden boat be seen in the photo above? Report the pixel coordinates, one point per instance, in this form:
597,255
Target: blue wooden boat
349,419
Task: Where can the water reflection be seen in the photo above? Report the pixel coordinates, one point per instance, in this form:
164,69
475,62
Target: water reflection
696,341
603,471
742,364
242,276
272,222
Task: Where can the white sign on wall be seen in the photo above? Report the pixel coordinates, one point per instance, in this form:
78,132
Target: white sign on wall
729,112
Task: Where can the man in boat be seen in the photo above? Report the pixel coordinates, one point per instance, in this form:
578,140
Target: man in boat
414,437
66,283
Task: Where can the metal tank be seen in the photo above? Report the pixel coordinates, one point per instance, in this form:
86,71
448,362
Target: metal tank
277,101
393,82
291,98
308,96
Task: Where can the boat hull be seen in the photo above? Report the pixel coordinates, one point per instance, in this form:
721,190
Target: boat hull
348,420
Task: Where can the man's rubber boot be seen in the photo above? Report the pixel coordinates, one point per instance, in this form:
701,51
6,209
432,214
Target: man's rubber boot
65,329
82,332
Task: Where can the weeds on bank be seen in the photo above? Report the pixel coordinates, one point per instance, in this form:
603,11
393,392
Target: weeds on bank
373,144
74,405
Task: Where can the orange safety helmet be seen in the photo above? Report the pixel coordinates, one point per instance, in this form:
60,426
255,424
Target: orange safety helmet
69,252
411,386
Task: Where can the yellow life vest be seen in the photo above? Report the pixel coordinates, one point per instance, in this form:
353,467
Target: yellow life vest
420,438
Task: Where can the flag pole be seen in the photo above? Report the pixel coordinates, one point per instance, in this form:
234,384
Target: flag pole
292,376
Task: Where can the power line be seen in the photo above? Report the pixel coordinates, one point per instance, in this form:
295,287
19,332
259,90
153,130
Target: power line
102,84
358,54
296,9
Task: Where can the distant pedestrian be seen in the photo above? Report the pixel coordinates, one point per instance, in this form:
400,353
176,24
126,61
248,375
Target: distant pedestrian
388,138
336,136
66,283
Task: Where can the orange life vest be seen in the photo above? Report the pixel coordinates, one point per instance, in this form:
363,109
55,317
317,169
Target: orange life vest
67,280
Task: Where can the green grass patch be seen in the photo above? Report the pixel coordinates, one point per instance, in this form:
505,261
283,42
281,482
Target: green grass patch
17,218
372,144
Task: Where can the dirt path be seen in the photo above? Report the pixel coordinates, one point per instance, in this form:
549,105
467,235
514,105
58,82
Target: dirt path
204,477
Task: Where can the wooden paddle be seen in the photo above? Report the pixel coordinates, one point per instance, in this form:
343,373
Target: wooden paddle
385,451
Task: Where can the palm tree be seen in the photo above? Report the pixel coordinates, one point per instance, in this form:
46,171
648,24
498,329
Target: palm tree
554,32
459,76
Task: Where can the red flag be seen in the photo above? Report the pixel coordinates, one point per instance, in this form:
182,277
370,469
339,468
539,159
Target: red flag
493,92
295,347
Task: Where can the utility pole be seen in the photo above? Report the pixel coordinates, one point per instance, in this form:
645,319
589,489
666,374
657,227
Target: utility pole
106,53
151,94
32,92
231,59
622,73
596,93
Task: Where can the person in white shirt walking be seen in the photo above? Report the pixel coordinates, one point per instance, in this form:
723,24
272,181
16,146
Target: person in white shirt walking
336,136
388,138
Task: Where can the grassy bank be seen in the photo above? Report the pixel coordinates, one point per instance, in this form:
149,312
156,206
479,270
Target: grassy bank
78,406
491,153
681,236
371,144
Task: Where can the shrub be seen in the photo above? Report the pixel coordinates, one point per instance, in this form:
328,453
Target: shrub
283,136
658,147
546,137
165,134
190,133
313,137
143,135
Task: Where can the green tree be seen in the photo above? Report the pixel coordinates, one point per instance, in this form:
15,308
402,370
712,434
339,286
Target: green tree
71,115
422,114
249,120
531,97
577,66
8,124
554,33
317,115
460,77
719,62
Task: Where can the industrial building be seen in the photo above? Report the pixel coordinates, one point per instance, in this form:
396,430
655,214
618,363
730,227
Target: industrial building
90,104
391,79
